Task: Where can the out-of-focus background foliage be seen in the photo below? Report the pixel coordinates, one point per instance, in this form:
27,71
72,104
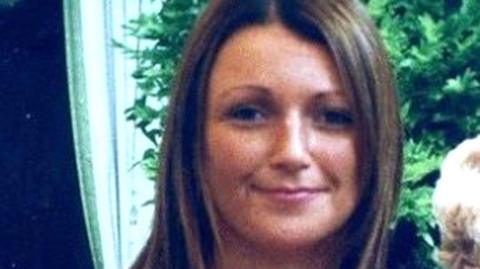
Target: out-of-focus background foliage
434,48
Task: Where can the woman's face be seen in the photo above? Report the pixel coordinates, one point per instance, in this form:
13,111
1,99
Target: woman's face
281,159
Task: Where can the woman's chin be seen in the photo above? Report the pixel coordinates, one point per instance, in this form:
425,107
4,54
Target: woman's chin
284,236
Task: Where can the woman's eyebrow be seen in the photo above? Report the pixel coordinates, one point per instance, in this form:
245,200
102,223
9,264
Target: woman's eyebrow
329,93
250,88
320,91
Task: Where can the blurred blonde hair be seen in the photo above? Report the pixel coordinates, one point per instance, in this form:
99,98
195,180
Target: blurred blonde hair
456,202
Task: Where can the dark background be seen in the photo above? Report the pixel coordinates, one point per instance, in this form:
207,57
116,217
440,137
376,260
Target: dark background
41,221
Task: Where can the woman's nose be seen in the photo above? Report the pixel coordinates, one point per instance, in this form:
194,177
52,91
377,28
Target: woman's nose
290,147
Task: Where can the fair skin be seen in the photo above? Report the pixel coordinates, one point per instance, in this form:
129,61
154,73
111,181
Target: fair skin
281,153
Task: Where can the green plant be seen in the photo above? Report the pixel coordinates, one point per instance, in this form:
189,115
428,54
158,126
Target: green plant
434,48
166,31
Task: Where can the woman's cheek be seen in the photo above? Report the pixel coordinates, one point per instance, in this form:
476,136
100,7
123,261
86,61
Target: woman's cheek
236,153
336,153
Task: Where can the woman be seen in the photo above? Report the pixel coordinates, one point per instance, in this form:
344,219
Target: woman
283,146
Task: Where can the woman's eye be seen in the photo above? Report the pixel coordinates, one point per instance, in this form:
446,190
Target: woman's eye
333,118
246,114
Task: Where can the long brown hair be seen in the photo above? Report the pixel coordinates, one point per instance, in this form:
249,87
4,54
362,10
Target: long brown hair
184,234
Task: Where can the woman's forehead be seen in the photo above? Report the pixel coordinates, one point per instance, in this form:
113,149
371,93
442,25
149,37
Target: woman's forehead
272,56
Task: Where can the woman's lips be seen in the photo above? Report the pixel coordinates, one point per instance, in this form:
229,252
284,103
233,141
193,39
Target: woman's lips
290,194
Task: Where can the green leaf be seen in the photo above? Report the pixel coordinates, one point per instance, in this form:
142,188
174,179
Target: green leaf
431,29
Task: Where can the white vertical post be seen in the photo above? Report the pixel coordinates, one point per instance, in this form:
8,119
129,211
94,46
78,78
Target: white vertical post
116,189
